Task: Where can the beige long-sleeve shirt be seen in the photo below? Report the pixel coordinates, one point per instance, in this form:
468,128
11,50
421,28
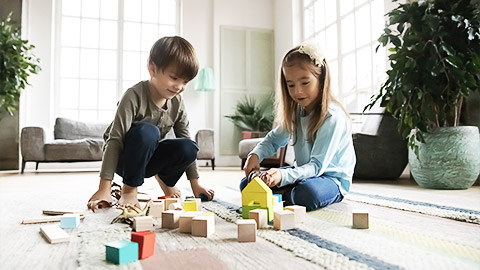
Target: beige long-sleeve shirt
137,106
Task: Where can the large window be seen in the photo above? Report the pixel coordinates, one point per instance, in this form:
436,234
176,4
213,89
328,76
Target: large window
348,31
102,49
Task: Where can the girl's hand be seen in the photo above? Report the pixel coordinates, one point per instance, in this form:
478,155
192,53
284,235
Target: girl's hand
273,177
251,164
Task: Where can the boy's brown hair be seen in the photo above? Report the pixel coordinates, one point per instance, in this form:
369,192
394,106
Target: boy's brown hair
175,51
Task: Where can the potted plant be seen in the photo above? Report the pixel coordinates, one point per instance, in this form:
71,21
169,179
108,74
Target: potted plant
254,119
434,65
16,63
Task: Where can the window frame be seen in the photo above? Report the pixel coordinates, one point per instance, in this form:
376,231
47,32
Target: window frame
119,80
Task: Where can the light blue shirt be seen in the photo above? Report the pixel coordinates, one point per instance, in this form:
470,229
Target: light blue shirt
331,154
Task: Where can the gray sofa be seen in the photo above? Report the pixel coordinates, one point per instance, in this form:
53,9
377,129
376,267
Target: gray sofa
71,141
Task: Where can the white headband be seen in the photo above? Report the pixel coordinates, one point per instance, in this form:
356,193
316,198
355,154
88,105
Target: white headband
314,52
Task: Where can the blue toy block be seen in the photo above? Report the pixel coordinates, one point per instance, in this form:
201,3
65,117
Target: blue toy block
121,251
278,197
68,221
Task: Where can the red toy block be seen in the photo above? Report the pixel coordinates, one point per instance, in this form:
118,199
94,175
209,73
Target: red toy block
146,243
165,197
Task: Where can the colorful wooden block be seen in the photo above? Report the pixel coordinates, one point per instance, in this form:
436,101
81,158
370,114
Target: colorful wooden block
260,216
360,219
284,220
156,209
121,251
146,243
193,204
54,234
143,223
68,221
257,195
203,225
299,211
185,221
170,218
247,230
277,197
277,205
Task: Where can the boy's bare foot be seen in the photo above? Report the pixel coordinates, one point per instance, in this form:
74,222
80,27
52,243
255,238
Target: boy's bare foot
129,196
169,191
102,198
199,190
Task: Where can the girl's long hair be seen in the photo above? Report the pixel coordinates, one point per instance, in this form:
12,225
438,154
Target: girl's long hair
286,107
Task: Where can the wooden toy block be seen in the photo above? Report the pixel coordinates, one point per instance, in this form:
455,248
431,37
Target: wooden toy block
277,206
68,221
45,219
144,223
360,219
146,243
257,195
193,203
54,234
247,209
170,219
175,206
260,216
121,251
185,221
203,225
61,212
299,211
247,230
169,201
141,197
284,220
164,197
277,197
156,209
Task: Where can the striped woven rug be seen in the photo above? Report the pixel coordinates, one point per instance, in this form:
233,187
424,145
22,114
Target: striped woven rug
402,235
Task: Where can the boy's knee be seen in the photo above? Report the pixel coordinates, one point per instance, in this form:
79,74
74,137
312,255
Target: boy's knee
189,149
144,133
305,196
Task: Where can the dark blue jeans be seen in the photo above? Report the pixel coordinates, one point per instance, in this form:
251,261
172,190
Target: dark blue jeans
144,155
313,193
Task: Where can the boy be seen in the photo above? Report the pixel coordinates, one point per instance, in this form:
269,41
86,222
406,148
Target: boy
147,111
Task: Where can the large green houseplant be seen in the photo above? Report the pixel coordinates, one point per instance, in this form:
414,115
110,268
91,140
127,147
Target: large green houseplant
254,118
17,63
434,64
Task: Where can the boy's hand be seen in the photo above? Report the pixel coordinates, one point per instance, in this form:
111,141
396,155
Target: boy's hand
251,164
273,177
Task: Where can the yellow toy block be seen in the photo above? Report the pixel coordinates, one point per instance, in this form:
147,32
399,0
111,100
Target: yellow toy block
257,193
190,206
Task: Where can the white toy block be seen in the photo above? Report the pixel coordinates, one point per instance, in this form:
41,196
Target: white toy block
283,220
247,230
169,201
360,219
185,221
203,224
299,211
175,206
156,209
69,221
54,234
142,223
170,218
260,216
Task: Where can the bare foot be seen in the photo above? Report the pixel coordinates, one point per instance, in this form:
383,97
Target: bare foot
169,191
102,198
199,190
129,196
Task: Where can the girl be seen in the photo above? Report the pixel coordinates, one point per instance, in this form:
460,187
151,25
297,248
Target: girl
134,148
319,127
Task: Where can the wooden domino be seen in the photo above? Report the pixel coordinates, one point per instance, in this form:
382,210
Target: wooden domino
54,234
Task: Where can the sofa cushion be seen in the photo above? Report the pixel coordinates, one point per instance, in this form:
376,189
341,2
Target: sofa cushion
74,150
69,129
